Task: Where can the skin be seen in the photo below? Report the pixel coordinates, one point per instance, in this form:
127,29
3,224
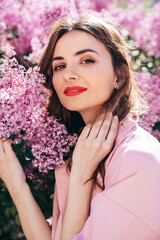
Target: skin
94,143
92,70
96,140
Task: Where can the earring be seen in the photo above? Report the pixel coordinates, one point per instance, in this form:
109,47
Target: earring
117,85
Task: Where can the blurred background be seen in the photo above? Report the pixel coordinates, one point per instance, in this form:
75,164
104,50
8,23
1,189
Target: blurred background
25,25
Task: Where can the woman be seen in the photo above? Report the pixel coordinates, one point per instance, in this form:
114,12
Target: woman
109,186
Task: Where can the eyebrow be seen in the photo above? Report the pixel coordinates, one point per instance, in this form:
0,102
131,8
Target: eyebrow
77,53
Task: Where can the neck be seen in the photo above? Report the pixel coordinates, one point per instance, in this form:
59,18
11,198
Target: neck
90,116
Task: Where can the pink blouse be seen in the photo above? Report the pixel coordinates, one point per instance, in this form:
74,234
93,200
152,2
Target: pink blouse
129,206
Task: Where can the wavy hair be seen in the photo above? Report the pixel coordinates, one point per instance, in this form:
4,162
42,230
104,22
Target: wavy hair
124,100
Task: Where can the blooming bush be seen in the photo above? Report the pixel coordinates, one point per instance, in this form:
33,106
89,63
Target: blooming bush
29,34
153,97
40,141
26,26
23,115
22,98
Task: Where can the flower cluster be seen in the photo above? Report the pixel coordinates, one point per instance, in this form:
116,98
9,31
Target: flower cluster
50,144
26,27
22,98
23,24
151,86
148,25
23,116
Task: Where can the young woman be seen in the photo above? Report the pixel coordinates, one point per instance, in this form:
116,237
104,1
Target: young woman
109,187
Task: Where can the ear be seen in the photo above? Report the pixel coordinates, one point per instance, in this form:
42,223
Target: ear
121,75
117,84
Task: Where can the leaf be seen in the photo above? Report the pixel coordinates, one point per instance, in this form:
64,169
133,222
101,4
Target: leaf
17,220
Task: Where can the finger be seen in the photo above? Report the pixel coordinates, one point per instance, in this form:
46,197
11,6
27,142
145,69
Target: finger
85,132
96,127
8,149
1,149
105,127
112,133
11,141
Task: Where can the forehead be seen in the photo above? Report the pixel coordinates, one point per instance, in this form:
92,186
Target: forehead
77,40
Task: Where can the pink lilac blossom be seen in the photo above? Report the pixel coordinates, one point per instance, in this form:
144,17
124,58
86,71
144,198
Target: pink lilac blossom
49,14
9,50
147,32
151,86
128,17
27,21
142,24
27,25
156,134
18,21
23,115
22,99
32,24
24,20
50,146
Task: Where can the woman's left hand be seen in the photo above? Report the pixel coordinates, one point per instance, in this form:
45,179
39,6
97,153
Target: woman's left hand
94,143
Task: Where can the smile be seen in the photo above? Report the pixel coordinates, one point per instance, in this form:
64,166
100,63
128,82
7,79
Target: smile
73,91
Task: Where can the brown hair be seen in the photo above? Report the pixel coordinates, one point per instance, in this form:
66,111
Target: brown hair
128,98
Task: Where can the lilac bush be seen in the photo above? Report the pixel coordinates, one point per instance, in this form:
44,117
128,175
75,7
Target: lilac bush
50,143
23,115
27,26
22,99
23,23
151,85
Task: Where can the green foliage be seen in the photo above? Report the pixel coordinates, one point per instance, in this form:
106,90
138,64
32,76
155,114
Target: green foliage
9,220
10,228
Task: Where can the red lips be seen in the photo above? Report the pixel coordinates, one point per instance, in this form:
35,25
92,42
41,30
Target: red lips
73,91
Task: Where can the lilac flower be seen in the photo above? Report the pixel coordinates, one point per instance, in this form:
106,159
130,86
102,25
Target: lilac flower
151,85
22,98
23,20
50,143
23,116
139,22
26,27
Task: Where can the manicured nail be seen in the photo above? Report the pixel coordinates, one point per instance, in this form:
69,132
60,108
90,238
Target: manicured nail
115,117
110,114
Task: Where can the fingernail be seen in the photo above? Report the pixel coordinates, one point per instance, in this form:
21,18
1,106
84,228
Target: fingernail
110,114
115,117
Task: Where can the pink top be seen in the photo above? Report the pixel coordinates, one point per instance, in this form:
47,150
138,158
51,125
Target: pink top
129,207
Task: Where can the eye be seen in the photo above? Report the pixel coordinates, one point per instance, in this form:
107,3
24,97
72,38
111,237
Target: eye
87,61
59,67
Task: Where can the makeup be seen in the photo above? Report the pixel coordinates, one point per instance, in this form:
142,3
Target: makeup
73,91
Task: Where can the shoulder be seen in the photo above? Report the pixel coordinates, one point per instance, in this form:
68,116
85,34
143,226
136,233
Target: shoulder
133,176
140,149
136,150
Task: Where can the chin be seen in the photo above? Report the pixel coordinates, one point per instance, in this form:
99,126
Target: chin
73,108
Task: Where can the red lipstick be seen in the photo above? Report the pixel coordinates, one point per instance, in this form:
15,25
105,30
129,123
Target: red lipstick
73,91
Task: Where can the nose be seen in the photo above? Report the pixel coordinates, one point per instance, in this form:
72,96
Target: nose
71,74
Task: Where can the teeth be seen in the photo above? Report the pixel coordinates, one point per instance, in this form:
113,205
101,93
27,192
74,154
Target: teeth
73,90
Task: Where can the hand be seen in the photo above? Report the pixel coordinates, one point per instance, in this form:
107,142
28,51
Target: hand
94,143
11,171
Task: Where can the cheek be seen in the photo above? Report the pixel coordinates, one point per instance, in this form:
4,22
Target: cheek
103,84
55,83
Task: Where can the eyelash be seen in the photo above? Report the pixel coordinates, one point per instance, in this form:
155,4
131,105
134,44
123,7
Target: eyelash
59,67
88,61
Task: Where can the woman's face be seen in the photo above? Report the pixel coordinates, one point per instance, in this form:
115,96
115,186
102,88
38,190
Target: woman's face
83,75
